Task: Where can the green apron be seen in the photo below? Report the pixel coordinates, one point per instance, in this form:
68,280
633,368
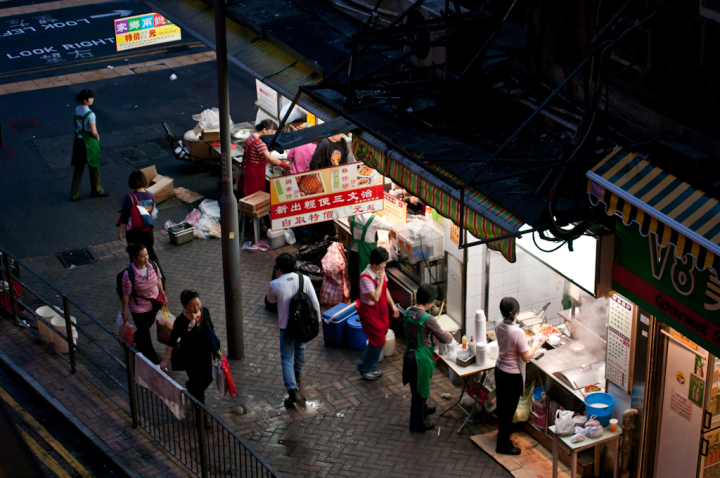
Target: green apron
92,145
364,248
423,355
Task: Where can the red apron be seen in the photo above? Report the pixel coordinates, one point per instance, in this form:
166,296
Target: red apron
254,164
374,318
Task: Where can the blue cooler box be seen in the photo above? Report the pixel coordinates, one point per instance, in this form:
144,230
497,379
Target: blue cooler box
334,321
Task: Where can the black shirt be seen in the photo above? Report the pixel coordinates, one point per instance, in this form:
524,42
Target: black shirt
194,342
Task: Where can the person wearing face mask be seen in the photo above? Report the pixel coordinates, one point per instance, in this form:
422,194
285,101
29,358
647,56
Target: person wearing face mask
375,299
193,328
513,353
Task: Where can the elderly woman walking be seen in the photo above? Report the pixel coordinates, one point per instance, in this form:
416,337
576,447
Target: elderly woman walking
143,294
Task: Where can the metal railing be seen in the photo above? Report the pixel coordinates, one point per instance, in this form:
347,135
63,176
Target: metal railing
201,441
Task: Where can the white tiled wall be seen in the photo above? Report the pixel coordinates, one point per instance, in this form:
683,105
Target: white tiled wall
530,281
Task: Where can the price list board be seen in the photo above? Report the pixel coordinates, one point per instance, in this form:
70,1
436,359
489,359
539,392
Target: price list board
619,340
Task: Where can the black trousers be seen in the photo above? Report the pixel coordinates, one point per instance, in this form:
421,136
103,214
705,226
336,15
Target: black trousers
147,239
509,389
200,376
418,404
143,342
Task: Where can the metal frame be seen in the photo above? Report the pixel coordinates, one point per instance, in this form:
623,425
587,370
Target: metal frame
203,443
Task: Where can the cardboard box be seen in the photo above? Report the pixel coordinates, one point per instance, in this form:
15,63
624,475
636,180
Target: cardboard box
211,135
343,234
255,204
162,187
202,150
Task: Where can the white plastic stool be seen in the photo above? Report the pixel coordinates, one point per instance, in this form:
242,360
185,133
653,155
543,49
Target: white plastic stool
256,226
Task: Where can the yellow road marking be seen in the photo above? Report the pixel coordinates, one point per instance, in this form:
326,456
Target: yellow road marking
45,435
44,7
103,74
101,59
44,456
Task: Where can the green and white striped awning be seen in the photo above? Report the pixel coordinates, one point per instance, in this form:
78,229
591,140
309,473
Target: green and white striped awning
661,204
286,73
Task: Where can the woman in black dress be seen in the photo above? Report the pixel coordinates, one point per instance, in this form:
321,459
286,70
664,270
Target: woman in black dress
193,329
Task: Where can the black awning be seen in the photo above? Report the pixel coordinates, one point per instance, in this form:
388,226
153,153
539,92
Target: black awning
285,141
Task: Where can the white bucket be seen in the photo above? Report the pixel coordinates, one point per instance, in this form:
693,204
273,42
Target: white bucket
59,341
48,314
389,348
367,342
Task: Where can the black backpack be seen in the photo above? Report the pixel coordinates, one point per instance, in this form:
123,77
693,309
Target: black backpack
303,321
131,276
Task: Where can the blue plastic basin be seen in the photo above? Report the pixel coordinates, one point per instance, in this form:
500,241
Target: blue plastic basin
602,415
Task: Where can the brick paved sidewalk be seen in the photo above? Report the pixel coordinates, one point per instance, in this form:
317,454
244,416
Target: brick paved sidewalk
350,428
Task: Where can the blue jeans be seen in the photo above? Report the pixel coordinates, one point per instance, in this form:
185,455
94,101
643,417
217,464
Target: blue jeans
292,358
369,361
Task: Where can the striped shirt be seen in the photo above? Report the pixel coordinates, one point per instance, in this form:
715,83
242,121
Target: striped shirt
254,149
145,286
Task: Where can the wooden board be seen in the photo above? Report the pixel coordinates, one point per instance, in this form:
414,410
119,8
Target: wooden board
535,461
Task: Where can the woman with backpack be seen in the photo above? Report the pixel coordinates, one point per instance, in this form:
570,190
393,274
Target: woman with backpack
198,345
144,295
136,230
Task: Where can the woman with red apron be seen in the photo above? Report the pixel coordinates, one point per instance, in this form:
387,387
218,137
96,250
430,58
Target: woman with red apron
255,158
375,300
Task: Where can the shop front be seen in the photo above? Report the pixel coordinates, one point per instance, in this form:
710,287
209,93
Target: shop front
665,270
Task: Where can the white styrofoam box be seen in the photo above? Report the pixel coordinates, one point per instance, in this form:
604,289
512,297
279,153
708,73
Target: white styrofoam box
539,292
510,279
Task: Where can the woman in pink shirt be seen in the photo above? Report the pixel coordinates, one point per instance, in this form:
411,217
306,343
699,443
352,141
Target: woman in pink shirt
302,155
510,371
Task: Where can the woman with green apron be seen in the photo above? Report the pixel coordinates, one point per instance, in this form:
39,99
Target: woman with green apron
420,330
86,147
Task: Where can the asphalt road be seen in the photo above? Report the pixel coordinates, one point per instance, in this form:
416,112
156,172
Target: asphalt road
41,441
48,43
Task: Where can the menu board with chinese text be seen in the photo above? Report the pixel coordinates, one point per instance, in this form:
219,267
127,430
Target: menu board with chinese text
619,341
323,195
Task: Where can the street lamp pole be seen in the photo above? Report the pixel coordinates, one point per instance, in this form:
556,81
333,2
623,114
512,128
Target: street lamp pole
228,203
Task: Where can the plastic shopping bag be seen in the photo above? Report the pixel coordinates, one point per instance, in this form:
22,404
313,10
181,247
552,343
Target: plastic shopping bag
522,412
564,423
221,378
228,376
124,330
165,321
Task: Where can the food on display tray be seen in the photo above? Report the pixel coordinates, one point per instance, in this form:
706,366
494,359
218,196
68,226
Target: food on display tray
366,171
548,329
310,184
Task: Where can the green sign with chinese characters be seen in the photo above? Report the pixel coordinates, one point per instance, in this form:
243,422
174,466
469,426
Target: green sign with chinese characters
672,289
697,390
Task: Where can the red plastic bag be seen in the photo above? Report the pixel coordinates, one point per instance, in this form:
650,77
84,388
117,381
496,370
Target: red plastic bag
228,376
124,331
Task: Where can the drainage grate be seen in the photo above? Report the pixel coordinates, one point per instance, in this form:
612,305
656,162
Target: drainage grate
76,257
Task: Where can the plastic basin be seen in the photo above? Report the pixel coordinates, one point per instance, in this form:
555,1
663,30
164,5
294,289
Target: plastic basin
48,314
602,413
59,341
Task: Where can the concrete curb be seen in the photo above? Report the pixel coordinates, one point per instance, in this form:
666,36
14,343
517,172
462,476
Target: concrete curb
20,373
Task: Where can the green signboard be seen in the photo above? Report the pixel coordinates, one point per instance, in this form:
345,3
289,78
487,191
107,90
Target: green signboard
672,289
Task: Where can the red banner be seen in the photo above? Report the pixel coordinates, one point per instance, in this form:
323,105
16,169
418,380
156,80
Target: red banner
327,202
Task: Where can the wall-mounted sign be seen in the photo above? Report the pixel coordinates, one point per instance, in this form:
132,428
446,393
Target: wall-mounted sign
619,340
395,210
672,289
454,233
323,195
267,98
144,30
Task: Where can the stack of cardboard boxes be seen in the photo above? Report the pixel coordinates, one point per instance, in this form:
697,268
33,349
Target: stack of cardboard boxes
255,205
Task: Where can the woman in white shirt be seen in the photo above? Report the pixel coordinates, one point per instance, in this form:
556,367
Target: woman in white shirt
514,351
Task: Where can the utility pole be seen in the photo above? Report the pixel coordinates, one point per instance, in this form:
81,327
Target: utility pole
228,203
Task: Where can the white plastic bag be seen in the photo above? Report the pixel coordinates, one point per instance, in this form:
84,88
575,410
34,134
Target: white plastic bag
290,236
594,432
578,437
165,321
211,208
564,423
208,119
